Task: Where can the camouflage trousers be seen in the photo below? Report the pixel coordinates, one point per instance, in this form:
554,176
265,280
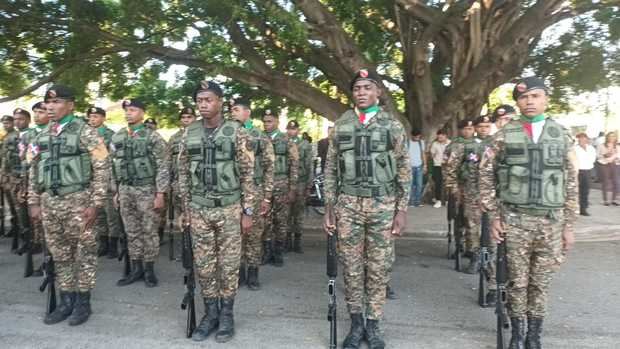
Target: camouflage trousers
365,243
534,255
216,243
251,243
108,221
471,207
141,221
391,259
73,248
13,187
276,226
298,211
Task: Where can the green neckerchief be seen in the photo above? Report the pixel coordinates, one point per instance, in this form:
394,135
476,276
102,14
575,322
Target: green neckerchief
372,109
66,119
534,119
296,139
101,130
248,125
136,128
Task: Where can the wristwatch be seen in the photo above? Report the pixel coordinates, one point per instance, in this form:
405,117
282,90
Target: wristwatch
248,211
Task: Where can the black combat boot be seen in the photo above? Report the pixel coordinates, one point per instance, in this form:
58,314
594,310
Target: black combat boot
38,272
103,246
209,321
63,310
534,328
297,244
253,283
27,245
137,273
267,253
474,264
389,293
356,333
150,280
491,298
113,248
278,259
81,310
226,331
374,335
517,341
241,274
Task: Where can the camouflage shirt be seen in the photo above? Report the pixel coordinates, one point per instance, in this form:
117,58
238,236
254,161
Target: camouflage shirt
267,159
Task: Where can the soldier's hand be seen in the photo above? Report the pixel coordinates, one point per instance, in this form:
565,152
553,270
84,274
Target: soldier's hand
497,229
35,213
400,218
116,201
568,239
265,207
89,215
246,224
329,221
159,202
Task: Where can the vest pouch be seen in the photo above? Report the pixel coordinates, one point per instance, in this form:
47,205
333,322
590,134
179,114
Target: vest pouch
140,147
378,140
228,177
553,188
553,154
43,177
224,149
384,167
144,167
119,150
516,154
70,143
195,176
71,172
280,148
517,192
346,159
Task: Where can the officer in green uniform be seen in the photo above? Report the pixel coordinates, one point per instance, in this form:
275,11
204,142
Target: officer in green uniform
107,225
142,176
304,183
528,187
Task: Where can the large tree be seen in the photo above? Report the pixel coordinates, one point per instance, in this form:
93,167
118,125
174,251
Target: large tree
439,60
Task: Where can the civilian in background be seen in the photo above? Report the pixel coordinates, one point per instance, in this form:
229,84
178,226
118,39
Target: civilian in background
437,151
586,157
606,155
322,148
416,149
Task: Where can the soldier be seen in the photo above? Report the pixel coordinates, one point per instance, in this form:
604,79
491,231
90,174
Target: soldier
304,184
285,177
216,169
528,186
367,183
263,180
107,225
501,116
66,198
151,123
187,116
12,173
142,176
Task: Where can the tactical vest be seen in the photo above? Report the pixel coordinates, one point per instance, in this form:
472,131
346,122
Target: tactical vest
213,167
107,136
257,142
472,154
280,149
13,163
531,175
132,161
62,168
304,151
366,162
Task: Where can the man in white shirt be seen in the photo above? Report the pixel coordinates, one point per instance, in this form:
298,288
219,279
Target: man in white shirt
416,148
586,156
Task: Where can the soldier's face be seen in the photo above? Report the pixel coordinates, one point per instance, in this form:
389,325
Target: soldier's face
269,122
21,121
209,104
95,120
41,117
533,102
187,119
7,125
365,94
292,132
240,113
483,129
134,115
58,108
503,120
467,132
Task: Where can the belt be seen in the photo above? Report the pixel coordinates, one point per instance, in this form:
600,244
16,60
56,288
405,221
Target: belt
367,192
223,201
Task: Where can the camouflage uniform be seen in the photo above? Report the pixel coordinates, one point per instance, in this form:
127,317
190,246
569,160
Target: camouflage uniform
108,220
285,177
215,201
26,158
139,178
533,227
365,203
72,245
12,183
304,183
174,144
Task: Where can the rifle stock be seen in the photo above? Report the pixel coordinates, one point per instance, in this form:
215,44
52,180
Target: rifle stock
124,255
502,296
170,226
189,281
459,225
332,273
48,281
485,244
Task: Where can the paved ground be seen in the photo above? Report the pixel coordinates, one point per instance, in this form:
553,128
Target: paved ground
437,306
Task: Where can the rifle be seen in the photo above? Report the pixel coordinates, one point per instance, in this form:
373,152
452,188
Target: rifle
332,272
459,225
485,244
502,296
124,255
48,281
189,281
451,217
28,268
171,226
2,230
